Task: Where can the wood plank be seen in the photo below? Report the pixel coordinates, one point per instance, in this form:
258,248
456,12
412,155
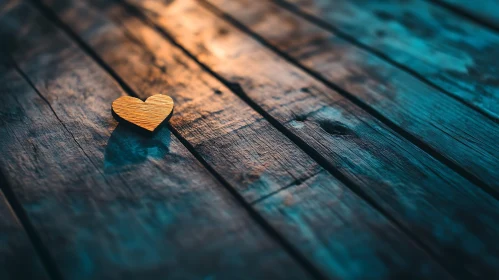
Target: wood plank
440,47
107,202
420,193
455,132
485,11
319,215
18,258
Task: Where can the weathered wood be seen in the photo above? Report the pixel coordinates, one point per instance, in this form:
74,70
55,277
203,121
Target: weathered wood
148,114
459,133
319,215
107,202
486,11
454,131
18,259
435,204
439,46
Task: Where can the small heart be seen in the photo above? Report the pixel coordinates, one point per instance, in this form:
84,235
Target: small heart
148,115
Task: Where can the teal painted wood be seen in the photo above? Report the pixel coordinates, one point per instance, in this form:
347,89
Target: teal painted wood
318,214
485,11
454,131
18,259
444,211
436,44
107,202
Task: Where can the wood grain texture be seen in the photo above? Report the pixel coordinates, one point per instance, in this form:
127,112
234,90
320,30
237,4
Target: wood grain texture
106,202
485,11
451,52
422,194
18,259
318,214
148,114
455,131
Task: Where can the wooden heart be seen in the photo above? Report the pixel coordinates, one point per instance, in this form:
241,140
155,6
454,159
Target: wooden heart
148,115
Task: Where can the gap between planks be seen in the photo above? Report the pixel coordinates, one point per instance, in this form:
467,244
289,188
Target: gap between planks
273,233
465,14
397,129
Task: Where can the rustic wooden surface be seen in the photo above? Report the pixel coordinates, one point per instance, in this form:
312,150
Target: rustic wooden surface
226,118
310,140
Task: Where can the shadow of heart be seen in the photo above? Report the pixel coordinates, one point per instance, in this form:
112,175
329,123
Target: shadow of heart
127,147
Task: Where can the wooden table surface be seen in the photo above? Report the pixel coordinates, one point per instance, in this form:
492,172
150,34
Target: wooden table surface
310,139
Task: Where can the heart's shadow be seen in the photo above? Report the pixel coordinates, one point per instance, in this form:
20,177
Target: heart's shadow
128,147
